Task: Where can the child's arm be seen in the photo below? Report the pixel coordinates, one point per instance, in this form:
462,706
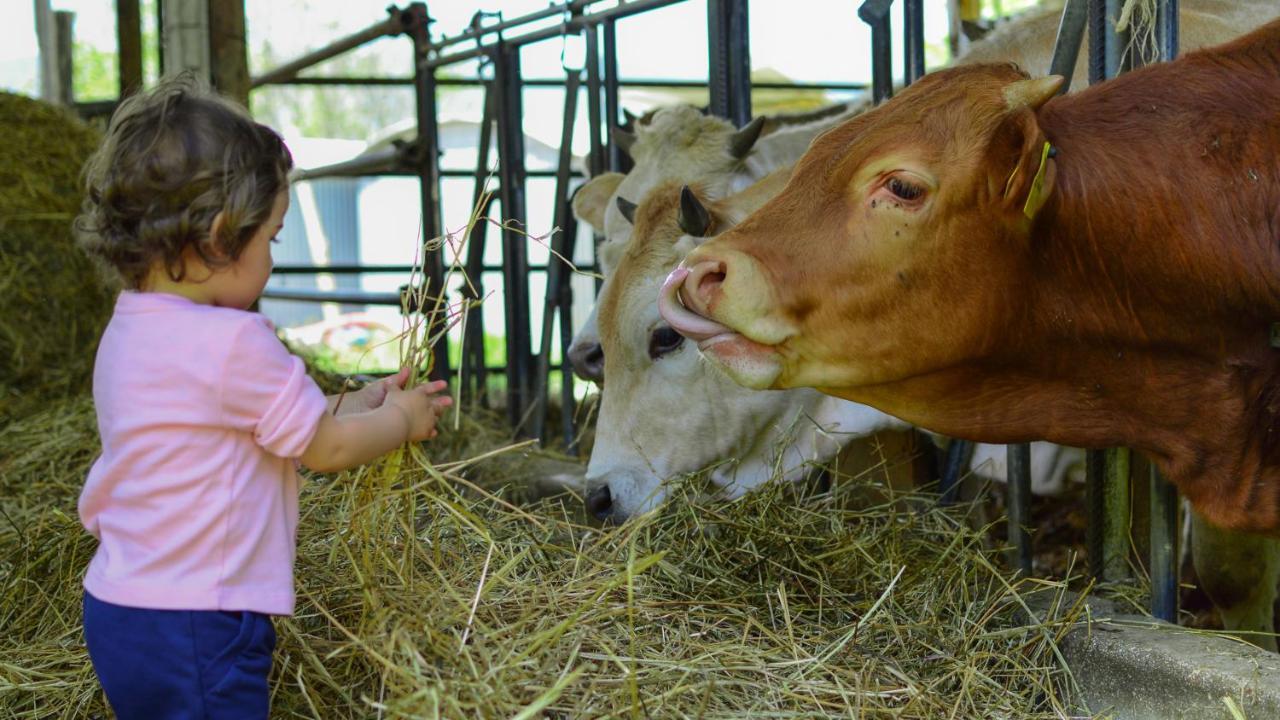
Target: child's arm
348,440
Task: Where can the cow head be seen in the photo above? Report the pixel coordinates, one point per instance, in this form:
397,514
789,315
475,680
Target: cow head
665,411
898,247
678,143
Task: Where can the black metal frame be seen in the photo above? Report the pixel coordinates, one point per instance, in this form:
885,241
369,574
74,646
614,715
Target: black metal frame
729,86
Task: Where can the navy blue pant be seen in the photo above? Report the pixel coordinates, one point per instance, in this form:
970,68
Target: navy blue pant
180,664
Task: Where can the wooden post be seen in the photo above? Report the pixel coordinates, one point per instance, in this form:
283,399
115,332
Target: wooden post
47,36
129,45
227,51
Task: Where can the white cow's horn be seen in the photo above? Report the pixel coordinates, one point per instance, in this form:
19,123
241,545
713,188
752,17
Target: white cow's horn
694,219
743,140
627,208
623,139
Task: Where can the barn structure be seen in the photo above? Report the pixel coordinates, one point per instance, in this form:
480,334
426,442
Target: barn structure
209,35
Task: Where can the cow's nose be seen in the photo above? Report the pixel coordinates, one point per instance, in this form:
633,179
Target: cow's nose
587,359
600,502
702,285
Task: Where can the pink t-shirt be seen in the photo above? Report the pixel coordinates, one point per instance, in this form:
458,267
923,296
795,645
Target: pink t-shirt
194,499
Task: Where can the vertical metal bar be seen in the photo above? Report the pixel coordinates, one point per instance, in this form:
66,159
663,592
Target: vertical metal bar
160,64
64,22
618,160
1066,48
959,453
1164,566
913,40
129,45
1118,58
1164,496
1019,502
556,275
473,351
1117,515
568,415
515,253
1095,471
1167,29
416,21
729,60
595,157
876,14
1097,41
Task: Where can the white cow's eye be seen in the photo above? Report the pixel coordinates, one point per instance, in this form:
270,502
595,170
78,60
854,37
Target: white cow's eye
664,340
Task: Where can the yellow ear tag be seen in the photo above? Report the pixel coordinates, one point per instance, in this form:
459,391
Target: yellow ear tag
1036,196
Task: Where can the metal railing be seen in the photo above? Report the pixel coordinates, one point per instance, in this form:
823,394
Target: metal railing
528,375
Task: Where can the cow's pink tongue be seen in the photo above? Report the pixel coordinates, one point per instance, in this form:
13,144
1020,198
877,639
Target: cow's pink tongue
687,323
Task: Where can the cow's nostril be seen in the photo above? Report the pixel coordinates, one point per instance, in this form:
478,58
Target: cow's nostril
710,282
600,502
588,361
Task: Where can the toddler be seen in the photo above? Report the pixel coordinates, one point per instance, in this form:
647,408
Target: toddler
202,412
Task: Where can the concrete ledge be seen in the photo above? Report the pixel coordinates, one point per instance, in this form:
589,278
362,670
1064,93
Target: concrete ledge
1130,667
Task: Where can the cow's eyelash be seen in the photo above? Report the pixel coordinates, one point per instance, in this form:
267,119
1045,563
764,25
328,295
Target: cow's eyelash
904,190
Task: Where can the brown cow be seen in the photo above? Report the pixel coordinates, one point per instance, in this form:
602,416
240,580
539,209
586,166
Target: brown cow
989,262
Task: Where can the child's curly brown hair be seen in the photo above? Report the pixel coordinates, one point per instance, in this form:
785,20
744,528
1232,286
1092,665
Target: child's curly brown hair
173,159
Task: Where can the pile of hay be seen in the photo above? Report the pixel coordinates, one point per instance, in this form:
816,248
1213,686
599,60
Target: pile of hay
53,302
421,596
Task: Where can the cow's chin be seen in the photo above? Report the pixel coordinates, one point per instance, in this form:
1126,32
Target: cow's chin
747,362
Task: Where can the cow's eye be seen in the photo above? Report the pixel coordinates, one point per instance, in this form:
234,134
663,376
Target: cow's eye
664,340
904,189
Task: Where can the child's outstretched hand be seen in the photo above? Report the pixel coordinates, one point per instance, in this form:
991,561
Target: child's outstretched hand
422,407
371,396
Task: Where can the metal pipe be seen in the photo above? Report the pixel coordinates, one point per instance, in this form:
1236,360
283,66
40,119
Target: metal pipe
1118,57
511,152
1117,515
474,380
549,82
392,25
729,60
875,13
475,33
1164,496
359,269
415,22
1066,48
1019,501
561,246
563,28
595,156
1097,41
379,163
354,297
129,43
1095,470
959,453
618,160
913,40
1164,565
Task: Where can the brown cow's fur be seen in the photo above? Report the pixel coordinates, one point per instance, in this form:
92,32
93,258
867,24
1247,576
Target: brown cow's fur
1134,310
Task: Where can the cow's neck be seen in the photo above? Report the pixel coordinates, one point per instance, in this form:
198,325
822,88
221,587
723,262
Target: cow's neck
1154,279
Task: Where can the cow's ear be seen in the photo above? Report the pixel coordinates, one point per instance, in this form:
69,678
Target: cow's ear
592,199
1024,164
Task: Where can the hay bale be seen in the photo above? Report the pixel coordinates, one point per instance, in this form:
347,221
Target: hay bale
53,302
425,592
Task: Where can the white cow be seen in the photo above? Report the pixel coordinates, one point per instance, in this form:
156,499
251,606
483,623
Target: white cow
655,378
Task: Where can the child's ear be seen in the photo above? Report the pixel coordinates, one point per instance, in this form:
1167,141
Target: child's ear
213,243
